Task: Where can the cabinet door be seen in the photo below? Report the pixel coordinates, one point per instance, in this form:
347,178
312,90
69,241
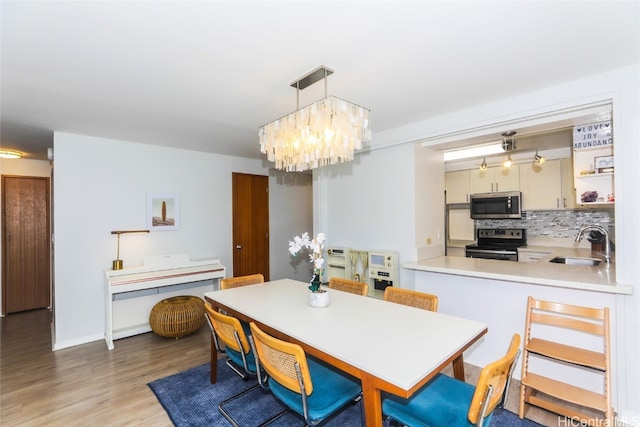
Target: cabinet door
481,181
507,179
531,256
460,225
495,179
456,184
541,186
568,185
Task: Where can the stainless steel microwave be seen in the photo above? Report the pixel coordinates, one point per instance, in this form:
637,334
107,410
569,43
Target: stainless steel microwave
502,205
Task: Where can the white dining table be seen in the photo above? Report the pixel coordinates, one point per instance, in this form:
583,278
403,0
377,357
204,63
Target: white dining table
389,347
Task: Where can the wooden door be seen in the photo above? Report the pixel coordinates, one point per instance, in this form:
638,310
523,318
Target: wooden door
25,243
250,206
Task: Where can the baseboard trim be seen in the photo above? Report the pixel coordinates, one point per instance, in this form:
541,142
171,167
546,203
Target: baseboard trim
77,341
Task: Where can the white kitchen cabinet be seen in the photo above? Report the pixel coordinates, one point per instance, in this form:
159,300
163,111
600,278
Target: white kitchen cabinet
495,179
526,255
456,184
568,186
460,225
541,186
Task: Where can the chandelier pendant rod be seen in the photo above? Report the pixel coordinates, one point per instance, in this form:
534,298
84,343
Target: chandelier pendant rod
326,83
313,76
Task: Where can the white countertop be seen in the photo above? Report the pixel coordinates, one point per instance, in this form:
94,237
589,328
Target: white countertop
599,278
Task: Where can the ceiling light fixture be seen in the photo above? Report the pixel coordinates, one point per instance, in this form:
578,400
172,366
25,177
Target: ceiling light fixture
509,140
323,133
508,145
483,165
538,159
10,154
475,151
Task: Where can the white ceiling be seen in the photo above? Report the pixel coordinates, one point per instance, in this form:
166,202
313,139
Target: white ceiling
205,75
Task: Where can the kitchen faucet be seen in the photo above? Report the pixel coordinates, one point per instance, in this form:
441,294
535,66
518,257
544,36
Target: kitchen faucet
607,244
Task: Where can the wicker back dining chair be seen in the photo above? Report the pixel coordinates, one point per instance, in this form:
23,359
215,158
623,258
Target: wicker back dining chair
234,282
411,298
445,401
240,356
305,385
346,285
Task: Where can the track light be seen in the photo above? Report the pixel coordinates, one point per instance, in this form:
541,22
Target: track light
538,159
508,145
483,165
507,163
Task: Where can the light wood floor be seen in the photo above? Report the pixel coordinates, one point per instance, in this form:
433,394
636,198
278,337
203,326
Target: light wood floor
88,385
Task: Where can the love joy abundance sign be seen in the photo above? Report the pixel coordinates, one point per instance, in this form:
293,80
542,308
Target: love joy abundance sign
592,135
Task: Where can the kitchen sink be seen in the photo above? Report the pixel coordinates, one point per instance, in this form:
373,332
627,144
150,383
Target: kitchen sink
575,261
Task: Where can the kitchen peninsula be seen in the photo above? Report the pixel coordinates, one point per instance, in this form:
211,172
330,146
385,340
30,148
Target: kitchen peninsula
600,278
496,292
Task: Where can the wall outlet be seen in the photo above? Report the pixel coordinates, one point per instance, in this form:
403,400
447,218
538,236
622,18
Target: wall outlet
428,240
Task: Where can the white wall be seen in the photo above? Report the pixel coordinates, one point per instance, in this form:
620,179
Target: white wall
290,214
101,185
22,167
430,238
365,203
369,204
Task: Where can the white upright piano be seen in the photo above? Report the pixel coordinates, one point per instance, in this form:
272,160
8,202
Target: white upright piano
132,292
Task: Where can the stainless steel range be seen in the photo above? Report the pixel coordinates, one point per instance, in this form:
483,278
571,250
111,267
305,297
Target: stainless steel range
497,243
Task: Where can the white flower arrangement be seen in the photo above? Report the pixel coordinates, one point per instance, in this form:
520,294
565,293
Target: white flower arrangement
315,247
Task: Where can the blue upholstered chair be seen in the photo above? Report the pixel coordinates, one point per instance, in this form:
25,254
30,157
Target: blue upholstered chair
240,356
307,386
448,402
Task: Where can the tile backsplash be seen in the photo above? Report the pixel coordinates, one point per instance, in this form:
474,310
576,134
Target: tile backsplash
558,224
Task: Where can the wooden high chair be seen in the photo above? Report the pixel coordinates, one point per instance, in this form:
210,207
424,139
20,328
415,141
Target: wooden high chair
570,400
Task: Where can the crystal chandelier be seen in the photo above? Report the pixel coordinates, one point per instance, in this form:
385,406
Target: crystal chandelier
323,133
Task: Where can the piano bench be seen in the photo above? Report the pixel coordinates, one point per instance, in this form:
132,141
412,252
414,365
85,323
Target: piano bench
178,316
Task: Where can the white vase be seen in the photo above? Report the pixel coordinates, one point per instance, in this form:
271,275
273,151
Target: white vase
319,299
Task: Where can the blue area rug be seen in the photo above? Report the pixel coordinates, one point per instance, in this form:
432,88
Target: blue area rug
191,400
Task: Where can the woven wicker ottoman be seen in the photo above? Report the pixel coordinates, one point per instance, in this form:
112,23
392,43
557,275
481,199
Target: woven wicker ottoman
177,316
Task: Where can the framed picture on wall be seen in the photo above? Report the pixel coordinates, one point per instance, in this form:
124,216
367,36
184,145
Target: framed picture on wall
163,212
603,164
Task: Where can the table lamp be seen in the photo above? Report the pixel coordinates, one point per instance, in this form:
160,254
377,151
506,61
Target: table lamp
117,263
